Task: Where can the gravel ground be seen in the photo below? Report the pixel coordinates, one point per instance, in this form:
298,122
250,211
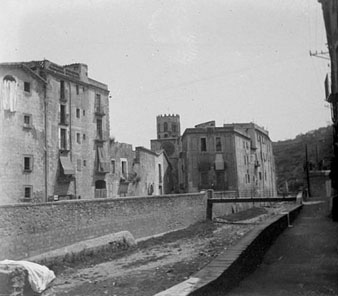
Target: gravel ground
158,263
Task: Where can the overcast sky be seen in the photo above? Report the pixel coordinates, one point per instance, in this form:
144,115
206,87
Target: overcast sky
224,60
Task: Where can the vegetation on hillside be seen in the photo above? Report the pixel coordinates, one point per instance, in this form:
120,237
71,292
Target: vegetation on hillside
290,157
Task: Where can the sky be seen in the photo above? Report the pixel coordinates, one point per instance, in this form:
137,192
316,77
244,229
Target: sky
224,60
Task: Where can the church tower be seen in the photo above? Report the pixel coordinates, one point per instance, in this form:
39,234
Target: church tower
168,126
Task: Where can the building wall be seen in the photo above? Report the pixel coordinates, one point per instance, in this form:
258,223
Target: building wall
195,160
16,141
246,150
146,167
172,147
42,100
119,152
83,155
48,226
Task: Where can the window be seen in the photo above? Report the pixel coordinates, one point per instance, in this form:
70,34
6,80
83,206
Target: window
159,173
28,192
165,126
62,89
27,120
98,103
78,165
84,163
260,175
27,87
124,168
77,89
84,137
99,133
27,163
63,138
83,112
78,113
158,127
203,144
173,128
218,144
112,166
78,138
63,117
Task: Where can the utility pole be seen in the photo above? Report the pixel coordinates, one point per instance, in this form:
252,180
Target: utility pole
320,54
307,171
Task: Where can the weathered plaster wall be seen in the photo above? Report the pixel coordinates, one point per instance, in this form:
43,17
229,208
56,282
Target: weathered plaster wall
16,141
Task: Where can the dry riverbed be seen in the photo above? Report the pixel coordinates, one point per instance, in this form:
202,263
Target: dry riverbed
158,263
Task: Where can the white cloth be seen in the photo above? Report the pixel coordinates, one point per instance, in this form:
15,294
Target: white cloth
39,276
8,94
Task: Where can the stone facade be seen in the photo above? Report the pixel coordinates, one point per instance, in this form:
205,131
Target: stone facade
138,173
152,173
233,157
260,161
122,158
56,126
49,226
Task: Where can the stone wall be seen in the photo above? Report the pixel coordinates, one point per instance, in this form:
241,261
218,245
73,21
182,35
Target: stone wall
31,229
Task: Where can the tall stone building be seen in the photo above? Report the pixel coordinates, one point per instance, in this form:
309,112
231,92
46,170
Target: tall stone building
54,132
330,13
233,157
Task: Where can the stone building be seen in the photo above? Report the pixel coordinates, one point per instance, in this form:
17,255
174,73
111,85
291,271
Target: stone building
169,140
122,158
330,14
233,157
138,173
54,132
152,173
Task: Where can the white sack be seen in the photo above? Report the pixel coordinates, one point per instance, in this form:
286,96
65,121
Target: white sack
39,276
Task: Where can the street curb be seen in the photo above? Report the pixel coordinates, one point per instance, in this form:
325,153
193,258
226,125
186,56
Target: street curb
230,267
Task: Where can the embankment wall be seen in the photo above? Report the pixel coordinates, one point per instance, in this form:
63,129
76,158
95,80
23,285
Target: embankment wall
30,229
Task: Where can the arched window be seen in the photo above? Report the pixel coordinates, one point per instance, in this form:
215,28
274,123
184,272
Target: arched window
165,125
9,78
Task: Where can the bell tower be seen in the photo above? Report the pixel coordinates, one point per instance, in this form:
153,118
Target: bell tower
168,126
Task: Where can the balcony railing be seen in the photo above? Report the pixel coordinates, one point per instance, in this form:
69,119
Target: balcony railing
101,136
64,119
99,110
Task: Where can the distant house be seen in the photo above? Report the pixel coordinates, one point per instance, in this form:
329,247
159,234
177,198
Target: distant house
54,131
138,173
121,167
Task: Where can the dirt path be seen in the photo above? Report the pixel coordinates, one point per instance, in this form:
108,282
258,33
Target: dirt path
156,264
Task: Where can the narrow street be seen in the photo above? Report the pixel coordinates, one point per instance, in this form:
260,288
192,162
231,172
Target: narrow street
302,261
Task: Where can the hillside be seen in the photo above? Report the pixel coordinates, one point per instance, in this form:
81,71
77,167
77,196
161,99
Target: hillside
290,156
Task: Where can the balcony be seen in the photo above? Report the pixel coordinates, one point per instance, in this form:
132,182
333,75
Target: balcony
99,110
64,119
101,136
